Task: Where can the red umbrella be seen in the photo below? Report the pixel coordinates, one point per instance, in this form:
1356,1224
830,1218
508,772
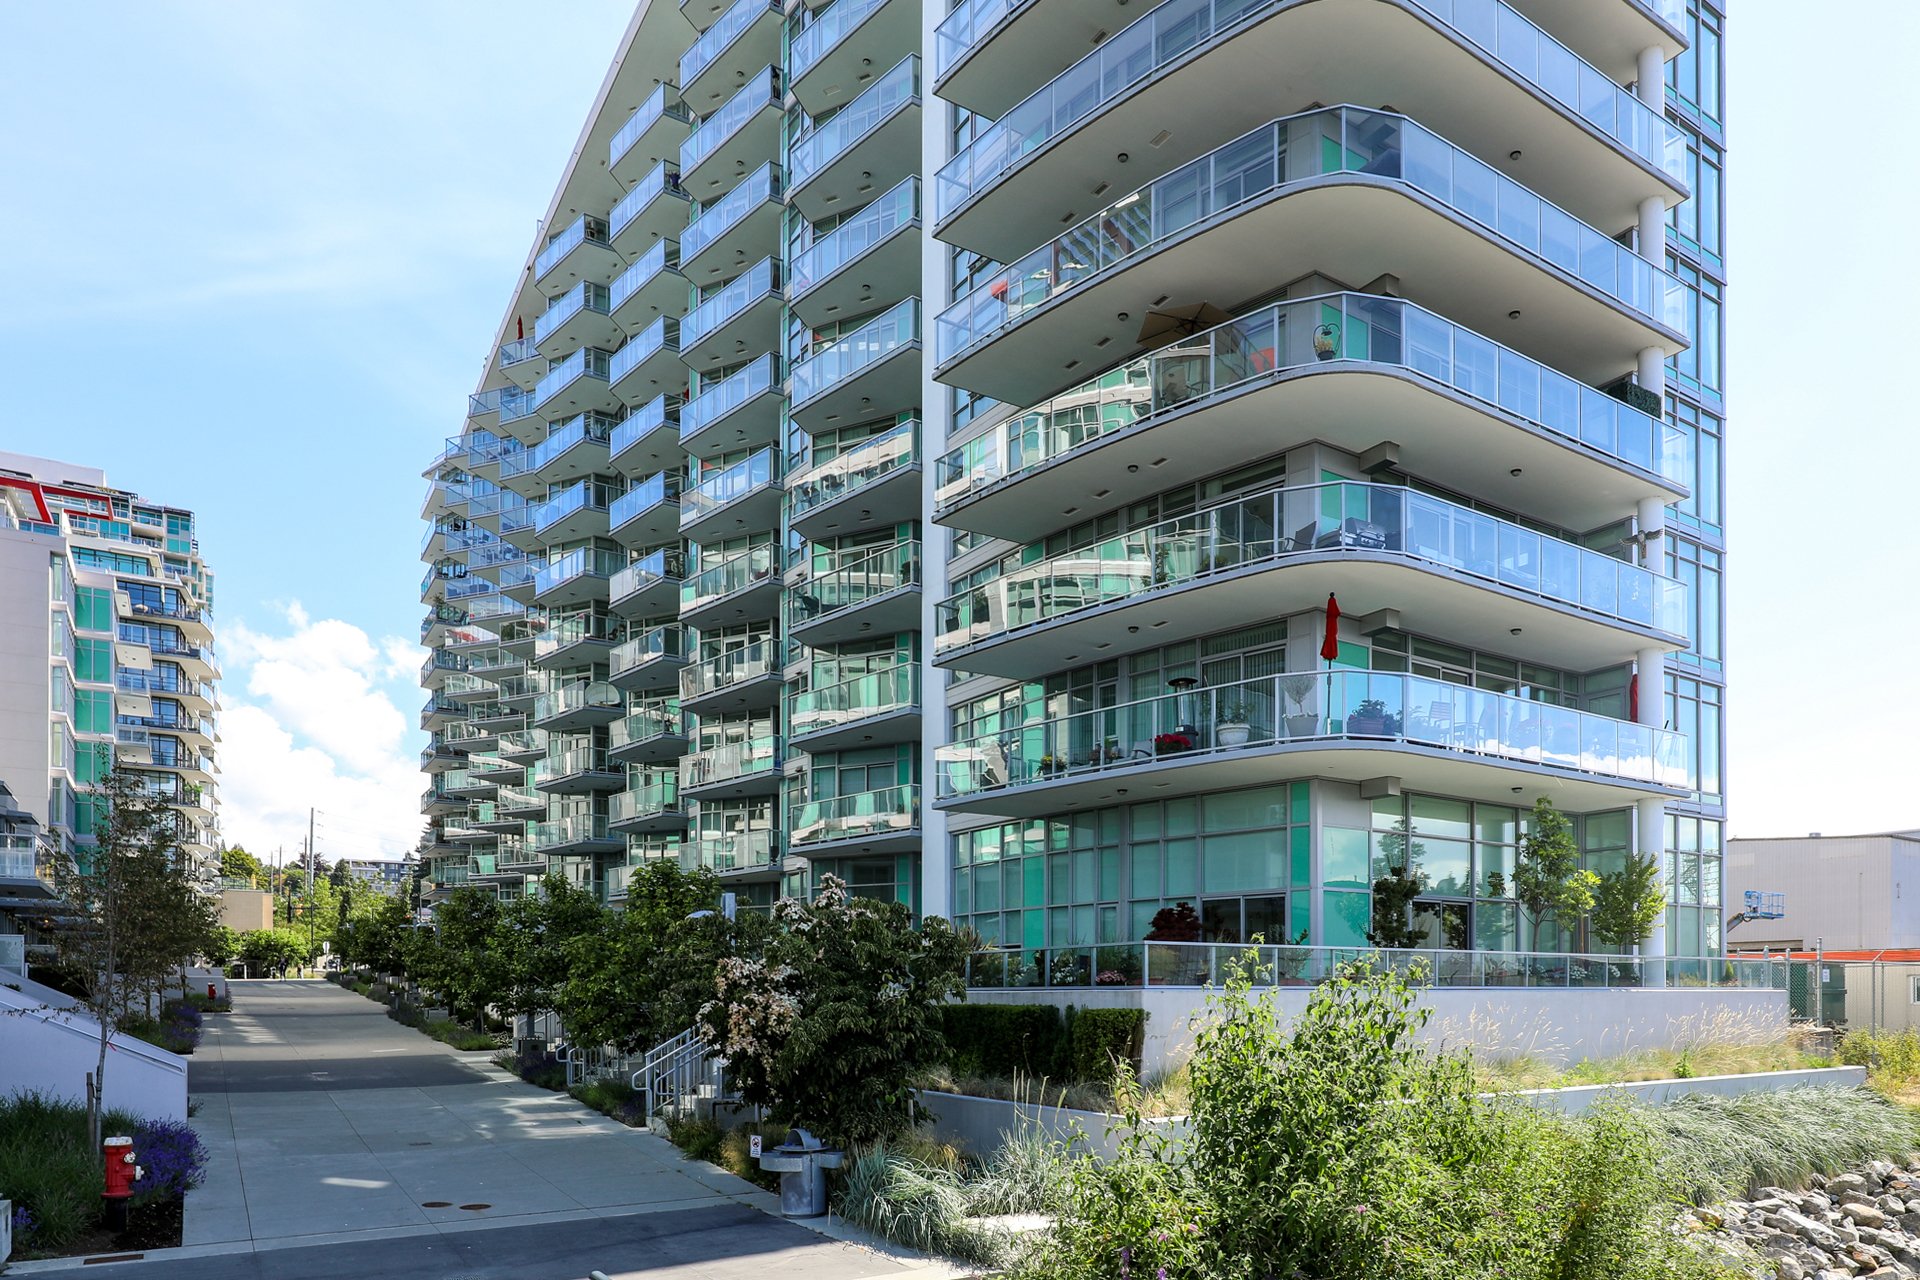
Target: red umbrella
1633,698
519,327
1330,647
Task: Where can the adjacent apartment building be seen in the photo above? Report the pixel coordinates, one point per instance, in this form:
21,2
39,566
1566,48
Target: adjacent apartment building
1050,462
106,654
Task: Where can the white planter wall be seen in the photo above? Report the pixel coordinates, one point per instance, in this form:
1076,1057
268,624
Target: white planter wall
51,1051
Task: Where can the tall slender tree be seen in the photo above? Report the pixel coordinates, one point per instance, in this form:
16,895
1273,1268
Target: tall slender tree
1547,876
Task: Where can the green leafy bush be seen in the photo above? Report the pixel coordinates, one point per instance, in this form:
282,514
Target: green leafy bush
1892,1056
1004,1039
48,1169
1102,1040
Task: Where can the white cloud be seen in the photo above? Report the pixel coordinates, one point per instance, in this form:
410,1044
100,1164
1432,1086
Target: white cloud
308,720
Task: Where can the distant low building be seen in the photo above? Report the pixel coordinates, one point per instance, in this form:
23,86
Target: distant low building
1842,893
246,910
382,874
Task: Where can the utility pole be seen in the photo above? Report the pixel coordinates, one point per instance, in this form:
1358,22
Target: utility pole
312,862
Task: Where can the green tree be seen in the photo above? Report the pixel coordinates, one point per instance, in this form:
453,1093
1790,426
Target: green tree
531,938
237,864
1627,903
267,951
830,1022
642,974
460,964
1547,877
223,944
377,936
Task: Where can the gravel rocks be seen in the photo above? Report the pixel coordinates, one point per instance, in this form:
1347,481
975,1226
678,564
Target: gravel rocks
1863,1225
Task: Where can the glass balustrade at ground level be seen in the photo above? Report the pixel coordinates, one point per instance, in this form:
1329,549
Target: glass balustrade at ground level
1199,964
848,471
815,150
1171,31
1270,527
731,760
847,241
865,578
663,103
1333,331
853,699
731,483
864,815
747,662
721,580
896,327
1268,161
1186,727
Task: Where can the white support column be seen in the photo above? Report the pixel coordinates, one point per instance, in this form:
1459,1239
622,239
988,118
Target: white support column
1652,86
1653,231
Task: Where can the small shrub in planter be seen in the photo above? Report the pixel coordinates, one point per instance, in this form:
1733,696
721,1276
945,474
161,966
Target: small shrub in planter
179,1029
1103,1039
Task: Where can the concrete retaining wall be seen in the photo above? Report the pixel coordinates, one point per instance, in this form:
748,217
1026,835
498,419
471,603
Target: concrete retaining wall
1553,1025
51,1051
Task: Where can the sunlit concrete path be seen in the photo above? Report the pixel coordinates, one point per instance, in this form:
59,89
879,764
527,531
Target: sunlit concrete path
344,1144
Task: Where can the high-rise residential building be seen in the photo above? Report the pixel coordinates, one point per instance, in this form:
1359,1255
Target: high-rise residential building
106,655
1049,463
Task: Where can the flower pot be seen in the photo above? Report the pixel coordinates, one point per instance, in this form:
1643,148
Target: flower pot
1232,735
1369,726
1305,726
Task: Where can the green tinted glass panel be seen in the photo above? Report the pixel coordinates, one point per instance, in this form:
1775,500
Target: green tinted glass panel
1345,917
1299,795
1344,858
1300,839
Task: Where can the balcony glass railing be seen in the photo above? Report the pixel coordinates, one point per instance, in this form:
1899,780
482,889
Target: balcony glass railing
660,487
886,215
734,851
729,576
582,562
855,583
730,760
760,93
854,699
664,256
1270,527
1340,327
662,335
518,352
748,662
756,471
648,795
660,180
723,215
645,722
662,410
587,362
814,151
582,495
1221,719
575,628
820,37
732,298
585,296
848,472
26,864
715,39
581,230
578,761
583,428
519,800
864,815
1278,156
580,695
516,404
1169,33
896,327
717,399
660,642
664,102
530,685
663,564
521,741
482,403
584,828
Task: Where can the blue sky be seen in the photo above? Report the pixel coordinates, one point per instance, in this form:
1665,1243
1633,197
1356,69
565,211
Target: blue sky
256,254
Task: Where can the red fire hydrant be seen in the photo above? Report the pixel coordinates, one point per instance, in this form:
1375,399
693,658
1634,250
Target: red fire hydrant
213,992
122,1173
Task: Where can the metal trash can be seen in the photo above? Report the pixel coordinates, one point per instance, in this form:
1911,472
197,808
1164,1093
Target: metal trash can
802,1162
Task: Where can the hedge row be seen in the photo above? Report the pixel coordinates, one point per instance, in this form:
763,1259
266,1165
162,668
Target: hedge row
1070,1045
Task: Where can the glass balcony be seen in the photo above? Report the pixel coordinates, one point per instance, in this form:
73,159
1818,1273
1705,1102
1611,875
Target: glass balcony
579,831
637,368
520,800
515,407
896,327
577,696
577,576
585,366
846,473
662,105
1206,724
585,296
704,418
757,190
659,493
584,230
757,282
825,33
813,152
588,429
1334,331
653,649
760,93
644,723
749,662
655,207
652,282
757,472
1171,31
730,762
749,569
863,697
1271,527
1289,152
715,40
736,851
519,356
899,207
643,435
581,497
867,596
522,743
568,630
650,800
864,816
646,586
578,762
482,403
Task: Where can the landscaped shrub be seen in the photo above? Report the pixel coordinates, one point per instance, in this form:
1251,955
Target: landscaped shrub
1100,1040
1004,1039
614,1098
1892,1056
538,1067
48,1170
928,1199
179,1026
1730,1146
173,1156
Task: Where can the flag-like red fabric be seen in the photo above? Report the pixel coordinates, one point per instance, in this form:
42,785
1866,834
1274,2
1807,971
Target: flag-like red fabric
1633,698
519,327
1330,647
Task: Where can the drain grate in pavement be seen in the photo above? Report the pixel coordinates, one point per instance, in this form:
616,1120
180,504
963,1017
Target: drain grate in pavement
114,1257
476,1206
436,1204
419,1144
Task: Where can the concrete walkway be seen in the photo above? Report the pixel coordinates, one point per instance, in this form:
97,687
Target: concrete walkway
348,1144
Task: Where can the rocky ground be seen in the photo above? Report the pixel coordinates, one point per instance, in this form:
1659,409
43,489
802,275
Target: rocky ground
1862,1224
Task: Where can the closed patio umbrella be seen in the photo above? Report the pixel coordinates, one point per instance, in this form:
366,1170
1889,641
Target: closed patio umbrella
1330,647
1175,323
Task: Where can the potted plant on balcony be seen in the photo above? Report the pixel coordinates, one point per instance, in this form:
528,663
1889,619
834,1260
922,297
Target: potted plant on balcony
1170,744
1369,718
1326,341
1301,722
1233,728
